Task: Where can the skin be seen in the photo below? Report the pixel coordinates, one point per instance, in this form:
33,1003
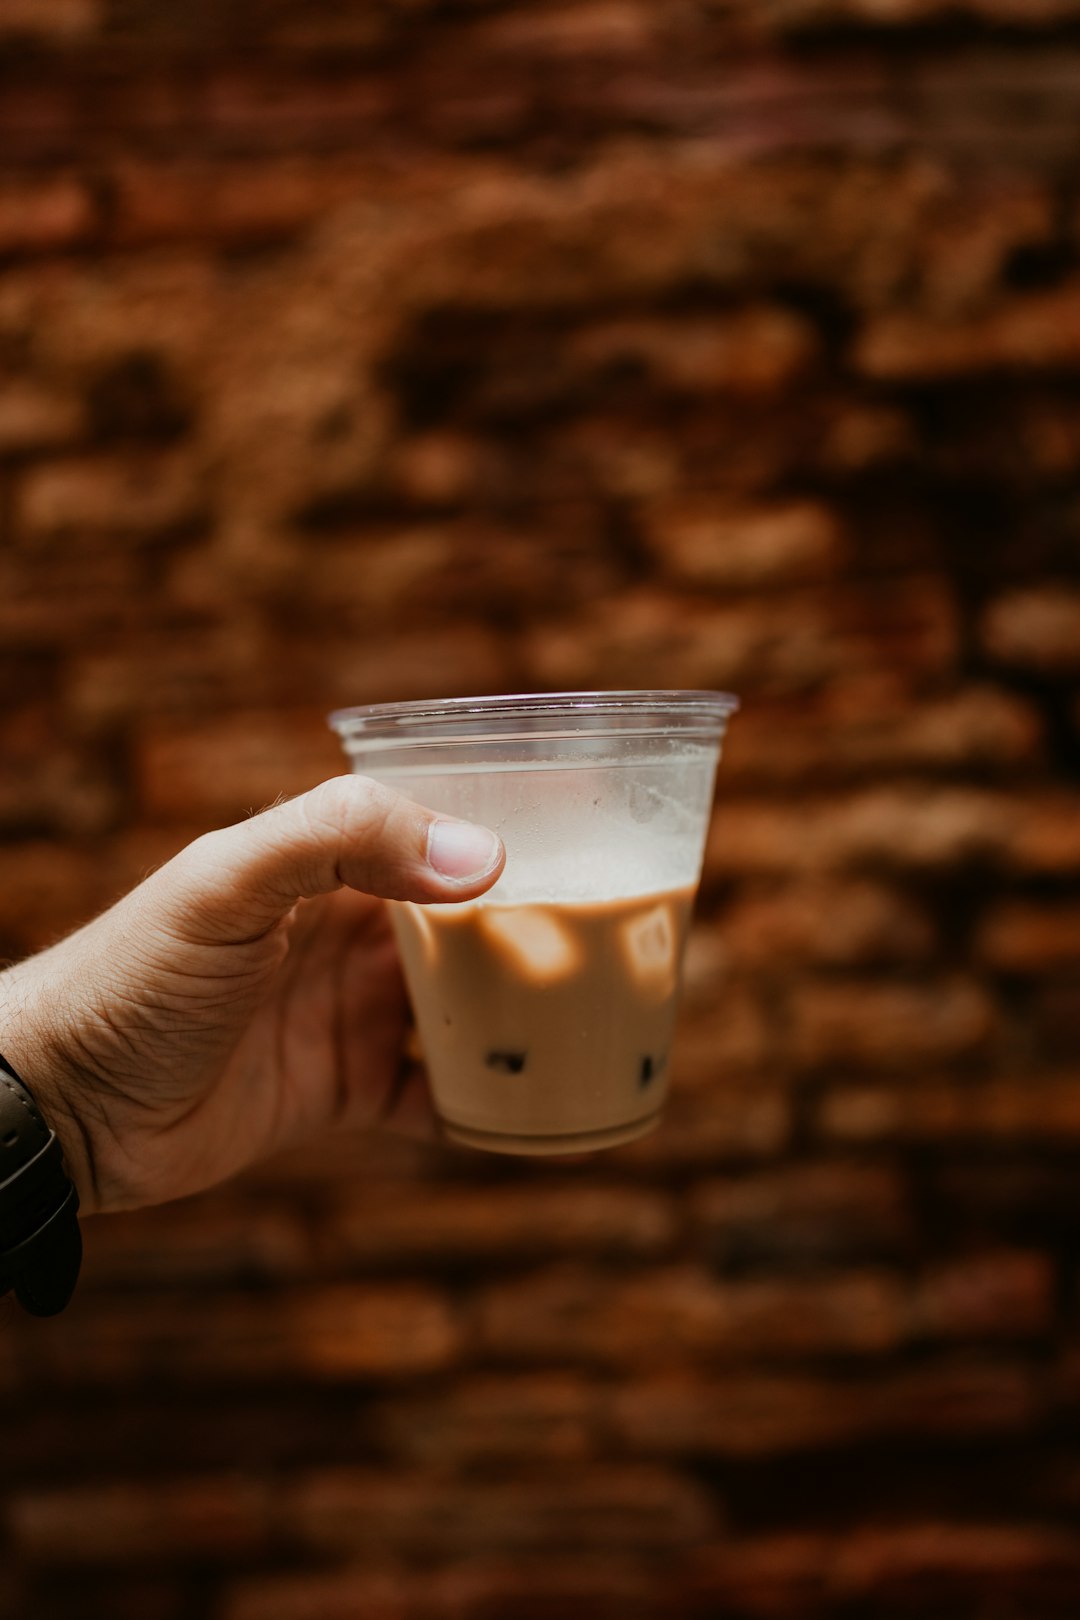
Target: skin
246,995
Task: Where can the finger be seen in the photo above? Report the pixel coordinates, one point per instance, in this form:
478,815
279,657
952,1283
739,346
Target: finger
408,1110
349,831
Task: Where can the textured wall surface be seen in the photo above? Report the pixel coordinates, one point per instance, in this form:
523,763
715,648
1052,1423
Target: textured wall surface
361,351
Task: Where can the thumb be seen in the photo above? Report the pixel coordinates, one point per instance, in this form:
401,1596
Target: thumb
237,883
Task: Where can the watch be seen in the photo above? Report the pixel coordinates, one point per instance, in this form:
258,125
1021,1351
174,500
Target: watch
40,1239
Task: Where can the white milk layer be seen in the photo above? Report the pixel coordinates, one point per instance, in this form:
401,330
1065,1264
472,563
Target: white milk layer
584,832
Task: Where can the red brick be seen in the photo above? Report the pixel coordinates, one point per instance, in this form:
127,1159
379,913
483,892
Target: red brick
635,225
679,1313
209,1519
86,317
889,1025
904,1566
609,1586
920,826
607,456
316,1595
56,597
322,1334
1035,628
675,1314
226,201
854,923
54,784
1022,937
971,226
1036,1109
1037,331
474,1224
270,112
1032,14
1047,835
787,644
518,242
141,498
999,1295
895,826
1021,1564
41,215
33,417
200,1241
543,1416
59,21
757,351
397,577
574,1509
976,726
859,436
870,727
440,468
726,1122
598,26
351,1332
206,669
767,1576
707,542
766,1415
827,1211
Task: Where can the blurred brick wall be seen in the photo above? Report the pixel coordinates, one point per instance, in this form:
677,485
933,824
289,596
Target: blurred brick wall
359,351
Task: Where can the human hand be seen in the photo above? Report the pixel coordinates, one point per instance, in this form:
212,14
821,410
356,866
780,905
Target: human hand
245,995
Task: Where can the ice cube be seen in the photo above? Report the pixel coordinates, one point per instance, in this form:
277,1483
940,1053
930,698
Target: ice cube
532,942
648,942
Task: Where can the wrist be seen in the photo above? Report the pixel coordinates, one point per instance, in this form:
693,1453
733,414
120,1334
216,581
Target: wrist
34,1051
40,1240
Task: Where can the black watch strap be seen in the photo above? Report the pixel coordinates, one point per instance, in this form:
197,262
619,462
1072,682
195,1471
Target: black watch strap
40,1239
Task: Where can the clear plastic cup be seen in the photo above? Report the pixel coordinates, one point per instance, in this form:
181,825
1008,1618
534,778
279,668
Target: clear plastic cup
546,1008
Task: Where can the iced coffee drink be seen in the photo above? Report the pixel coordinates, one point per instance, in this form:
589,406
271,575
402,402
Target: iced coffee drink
554,1019
546,1008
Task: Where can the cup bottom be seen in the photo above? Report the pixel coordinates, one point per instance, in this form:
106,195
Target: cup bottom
541,1146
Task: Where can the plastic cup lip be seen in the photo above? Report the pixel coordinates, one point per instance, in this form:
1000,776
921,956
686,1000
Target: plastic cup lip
535,715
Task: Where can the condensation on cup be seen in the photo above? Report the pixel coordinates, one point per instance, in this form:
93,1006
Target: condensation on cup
546,1008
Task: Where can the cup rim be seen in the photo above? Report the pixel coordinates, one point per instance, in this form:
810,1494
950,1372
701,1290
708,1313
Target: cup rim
686,712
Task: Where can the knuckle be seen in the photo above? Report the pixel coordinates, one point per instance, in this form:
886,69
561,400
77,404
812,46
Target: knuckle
342,805
198,863
354,809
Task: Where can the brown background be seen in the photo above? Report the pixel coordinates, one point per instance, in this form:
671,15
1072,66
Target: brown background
365,351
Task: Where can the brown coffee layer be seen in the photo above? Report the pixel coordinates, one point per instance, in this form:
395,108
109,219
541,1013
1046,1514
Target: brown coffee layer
549,1022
